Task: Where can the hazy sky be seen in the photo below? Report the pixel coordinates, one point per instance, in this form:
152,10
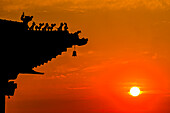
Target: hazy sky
10,5
128,46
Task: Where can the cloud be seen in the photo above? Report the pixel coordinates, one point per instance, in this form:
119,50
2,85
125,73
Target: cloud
93,68
133,4
75,5
12,5
61,76
155,56
78,88
119,4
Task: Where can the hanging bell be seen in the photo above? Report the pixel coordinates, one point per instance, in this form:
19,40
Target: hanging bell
74,53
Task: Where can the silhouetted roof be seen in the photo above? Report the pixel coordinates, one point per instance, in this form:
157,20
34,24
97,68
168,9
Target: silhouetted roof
22,50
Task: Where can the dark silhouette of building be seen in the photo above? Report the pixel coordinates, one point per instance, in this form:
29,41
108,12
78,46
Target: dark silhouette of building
45,27
65,27
50,28
60,27
25,20
39,27
32,27
23,49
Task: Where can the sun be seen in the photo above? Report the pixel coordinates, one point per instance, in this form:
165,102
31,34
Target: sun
135,91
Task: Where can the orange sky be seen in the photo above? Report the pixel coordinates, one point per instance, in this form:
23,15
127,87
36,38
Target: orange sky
128,46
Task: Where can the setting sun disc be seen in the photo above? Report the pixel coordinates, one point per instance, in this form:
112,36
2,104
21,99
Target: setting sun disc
135,91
